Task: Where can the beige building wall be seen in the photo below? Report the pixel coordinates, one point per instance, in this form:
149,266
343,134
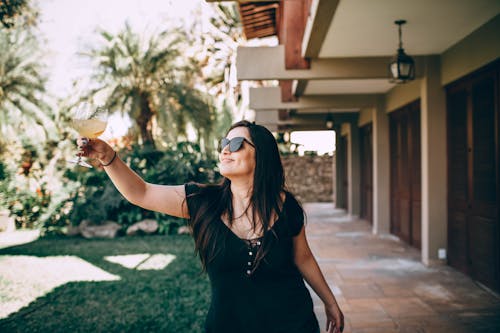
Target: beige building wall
402,95
365,117
434,162
474,51
350,130
381,169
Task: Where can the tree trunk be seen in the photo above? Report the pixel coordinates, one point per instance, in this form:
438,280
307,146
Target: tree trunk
144,121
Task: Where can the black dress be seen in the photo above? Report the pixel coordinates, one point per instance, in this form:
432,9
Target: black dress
272,298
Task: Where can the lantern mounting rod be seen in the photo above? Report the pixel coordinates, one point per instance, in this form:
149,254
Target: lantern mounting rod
400,23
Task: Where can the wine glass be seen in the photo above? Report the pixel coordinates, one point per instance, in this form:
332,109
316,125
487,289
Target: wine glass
89,122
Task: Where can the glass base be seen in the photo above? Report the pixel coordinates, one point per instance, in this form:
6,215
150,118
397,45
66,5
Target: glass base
80,162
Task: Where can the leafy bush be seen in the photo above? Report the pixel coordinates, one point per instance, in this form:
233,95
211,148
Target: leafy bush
98,200
26,201
4,180
26,206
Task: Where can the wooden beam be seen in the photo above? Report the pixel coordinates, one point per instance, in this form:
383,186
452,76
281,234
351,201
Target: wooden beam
246,10
294,20
260,33
258,20
261,27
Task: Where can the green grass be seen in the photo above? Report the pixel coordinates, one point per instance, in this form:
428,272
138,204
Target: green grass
174,299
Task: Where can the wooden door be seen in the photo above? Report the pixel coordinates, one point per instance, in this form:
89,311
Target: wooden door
483,218
458,171
405,173
366,148
473,171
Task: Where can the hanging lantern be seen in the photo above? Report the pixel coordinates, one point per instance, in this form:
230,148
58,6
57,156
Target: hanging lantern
402,66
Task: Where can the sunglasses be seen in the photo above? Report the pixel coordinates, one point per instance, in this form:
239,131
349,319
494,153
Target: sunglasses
234,144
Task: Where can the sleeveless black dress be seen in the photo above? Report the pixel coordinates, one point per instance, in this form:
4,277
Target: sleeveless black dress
269,298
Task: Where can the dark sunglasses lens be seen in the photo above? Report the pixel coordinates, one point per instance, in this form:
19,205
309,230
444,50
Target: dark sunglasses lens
235,144
223,142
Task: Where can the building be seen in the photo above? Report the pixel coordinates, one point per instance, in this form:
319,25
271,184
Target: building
419,160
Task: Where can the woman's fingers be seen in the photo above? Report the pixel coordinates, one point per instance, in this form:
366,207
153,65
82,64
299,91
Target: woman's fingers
82,142
93,149
83,147
333,326
339,327
330,326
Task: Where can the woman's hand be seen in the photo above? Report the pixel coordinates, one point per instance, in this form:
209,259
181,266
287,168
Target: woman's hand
95,149
334,319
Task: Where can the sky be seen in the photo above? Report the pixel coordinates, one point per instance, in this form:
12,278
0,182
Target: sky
69,25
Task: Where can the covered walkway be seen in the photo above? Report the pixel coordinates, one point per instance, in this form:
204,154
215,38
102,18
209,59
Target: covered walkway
382,286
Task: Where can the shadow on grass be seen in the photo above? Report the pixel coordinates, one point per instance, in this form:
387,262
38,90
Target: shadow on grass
174,299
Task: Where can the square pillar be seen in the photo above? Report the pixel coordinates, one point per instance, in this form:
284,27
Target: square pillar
381,170
354,171
340,156
434,162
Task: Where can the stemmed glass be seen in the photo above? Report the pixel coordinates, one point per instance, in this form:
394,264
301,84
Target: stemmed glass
89,122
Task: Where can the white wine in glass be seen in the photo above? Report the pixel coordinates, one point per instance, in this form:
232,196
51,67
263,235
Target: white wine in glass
89,128
90,123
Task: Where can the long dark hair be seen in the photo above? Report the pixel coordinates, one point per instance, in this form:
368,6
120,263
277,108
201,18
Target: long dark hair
214,201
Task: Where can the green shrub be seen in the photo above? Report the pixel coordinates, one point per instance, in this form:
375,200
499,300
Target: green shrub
98,200
4,180
27,206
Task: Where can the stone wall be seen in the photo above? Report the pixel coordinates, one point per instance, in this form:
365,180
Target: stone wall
310,178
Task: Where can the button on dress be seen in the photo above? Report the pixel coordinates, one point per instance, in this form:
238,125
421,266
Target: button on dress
268,298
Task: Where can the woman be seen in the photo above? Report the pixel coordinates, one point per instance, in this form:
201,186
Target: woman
249,233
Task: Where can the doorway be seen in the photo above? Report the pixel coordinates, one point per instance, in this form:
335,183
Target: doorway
473,175
405,179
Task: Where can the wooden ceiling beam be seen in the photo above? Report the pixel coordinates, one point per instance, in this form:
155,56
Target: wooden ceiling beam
261,32
257,19
257,9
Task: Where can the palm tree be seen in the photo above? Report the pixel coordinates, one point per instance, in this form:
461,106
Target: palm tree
23,111
9,10
224,33
151,81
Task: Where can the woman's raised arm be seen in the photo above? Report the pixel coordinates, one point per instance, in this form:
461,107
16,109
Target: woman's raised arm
167,199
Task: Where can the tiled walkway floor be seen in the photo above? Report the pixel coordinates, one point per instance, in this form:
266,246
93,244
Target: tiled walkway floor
382,286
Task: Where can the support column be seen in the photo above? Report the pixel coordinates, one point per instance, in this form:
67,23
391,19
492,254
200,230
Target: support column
381,170
339,163
354,169
434,173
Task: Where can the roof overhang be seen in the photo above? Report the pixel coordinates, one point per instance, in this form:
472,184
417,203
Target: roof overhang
269,98
260,18
350,43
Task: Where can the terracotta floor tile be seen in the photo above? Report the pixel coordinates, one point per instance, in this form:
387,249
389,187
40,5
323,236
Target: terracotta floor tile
382,286
375,330
405,307
365,305
360,290
370,320
395,290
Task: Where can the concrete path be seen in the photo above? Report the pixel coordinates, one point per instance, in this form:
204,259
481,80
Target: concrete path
382,286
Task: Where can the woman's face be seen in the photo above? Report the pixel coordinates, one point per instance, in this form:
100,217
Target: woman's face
241,163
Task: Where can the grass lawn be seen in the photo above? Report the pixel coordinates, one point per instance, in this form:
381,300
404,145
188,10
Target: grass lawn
172,299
